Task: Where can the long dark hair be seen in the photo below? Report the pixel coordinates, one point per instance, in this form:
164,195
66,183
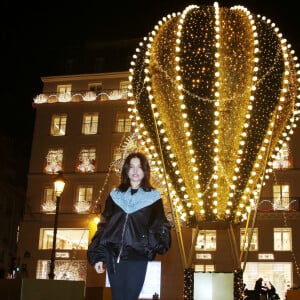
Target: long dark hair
125,181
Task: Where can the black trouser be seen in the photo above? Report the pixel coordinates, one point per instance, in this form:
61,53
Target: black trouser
127,278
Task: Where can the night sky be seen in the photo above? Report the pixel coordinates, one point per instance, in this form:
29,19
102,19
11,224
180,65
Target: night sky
28,29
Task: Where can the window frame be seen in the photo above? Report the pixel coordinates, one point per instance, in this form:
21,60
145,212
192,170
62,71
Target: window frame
52,166
281,196
206,235
288,240
254,239
58,125
123,123
86,162
90,123
84,198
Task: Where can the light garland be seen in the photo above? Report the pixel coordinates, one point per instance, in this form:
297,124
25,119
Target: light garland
215,94
88,96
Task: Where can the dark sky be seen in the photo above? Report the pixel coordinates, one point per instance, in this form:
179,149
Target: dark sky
27,28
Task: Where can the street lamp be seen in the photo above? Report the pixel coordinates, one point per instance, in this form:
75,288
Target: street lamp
59,185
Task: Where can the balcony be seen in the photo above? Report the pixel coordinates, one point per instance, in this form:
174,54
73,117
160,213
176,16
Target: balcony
79,96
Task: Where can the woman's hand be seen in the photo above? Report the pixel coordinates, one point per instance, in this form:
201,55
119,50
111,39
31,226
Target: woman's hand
99,267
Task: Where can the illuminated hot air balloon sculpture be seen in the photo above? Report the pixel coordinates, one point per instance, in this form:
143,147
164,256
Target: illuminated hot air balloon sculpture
215,94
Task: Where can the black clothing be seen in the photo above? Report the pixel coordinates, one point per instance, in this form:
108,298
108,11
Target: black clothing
272,295
129,276
130,236
260,289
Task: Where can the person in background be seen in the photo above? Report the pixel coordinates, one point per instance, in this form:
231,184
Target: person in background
132,230
260,289
272,295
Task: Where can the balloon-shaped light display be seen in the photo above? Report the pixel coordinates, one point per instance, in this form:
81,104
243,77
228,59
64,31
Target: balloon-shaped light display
214,96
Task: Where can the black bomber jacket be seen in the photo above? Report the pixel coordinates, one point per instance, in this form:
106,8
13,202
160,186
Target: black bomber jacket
130,236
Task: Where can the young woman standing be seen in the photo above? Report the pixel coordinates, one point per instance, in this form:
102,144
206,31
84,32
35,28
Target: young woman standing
133,229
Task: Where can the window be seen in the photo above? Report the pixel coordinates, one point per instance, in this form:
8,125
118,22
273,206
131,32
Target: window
49,200
251,236
90,123
279,273
281,160
123,123
66,239
206,240
64,93
282,239
84,199
95,87
58,125
54,161
281,196
74,270
86,160
124,89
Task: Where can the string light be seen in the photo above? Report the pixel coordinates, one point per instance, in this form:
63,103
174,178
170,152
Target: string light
216,91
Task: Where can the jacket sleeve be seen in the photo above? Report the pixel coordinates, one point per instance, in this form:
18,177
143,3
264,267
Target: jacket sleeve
96,250
160,230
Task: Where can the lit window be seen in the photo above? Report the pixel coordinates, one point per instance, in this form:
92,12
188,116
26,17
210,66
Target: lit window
54,161
66,239
282,239
90,123
279,273
251,237
123,123
49,200
74,270
86,160
206,240
282,158
58,125
281,196
64,93
124,89
84,199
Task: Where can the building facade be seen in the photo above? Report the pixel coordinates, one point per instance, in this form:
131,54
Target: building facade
83,129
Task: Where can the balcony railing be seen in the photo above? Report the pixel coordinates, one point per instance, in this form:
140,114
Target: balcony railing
78,96
288,204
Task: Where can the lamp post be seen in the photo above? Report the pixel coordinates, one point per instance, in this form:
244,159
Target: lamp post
59,185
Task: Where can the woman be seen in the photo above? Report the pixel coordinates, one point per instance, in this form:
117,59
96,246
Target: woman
132,231
260,290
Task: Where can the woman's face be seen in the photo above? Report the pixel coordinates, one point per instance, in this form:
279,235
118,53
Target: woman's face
135,173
